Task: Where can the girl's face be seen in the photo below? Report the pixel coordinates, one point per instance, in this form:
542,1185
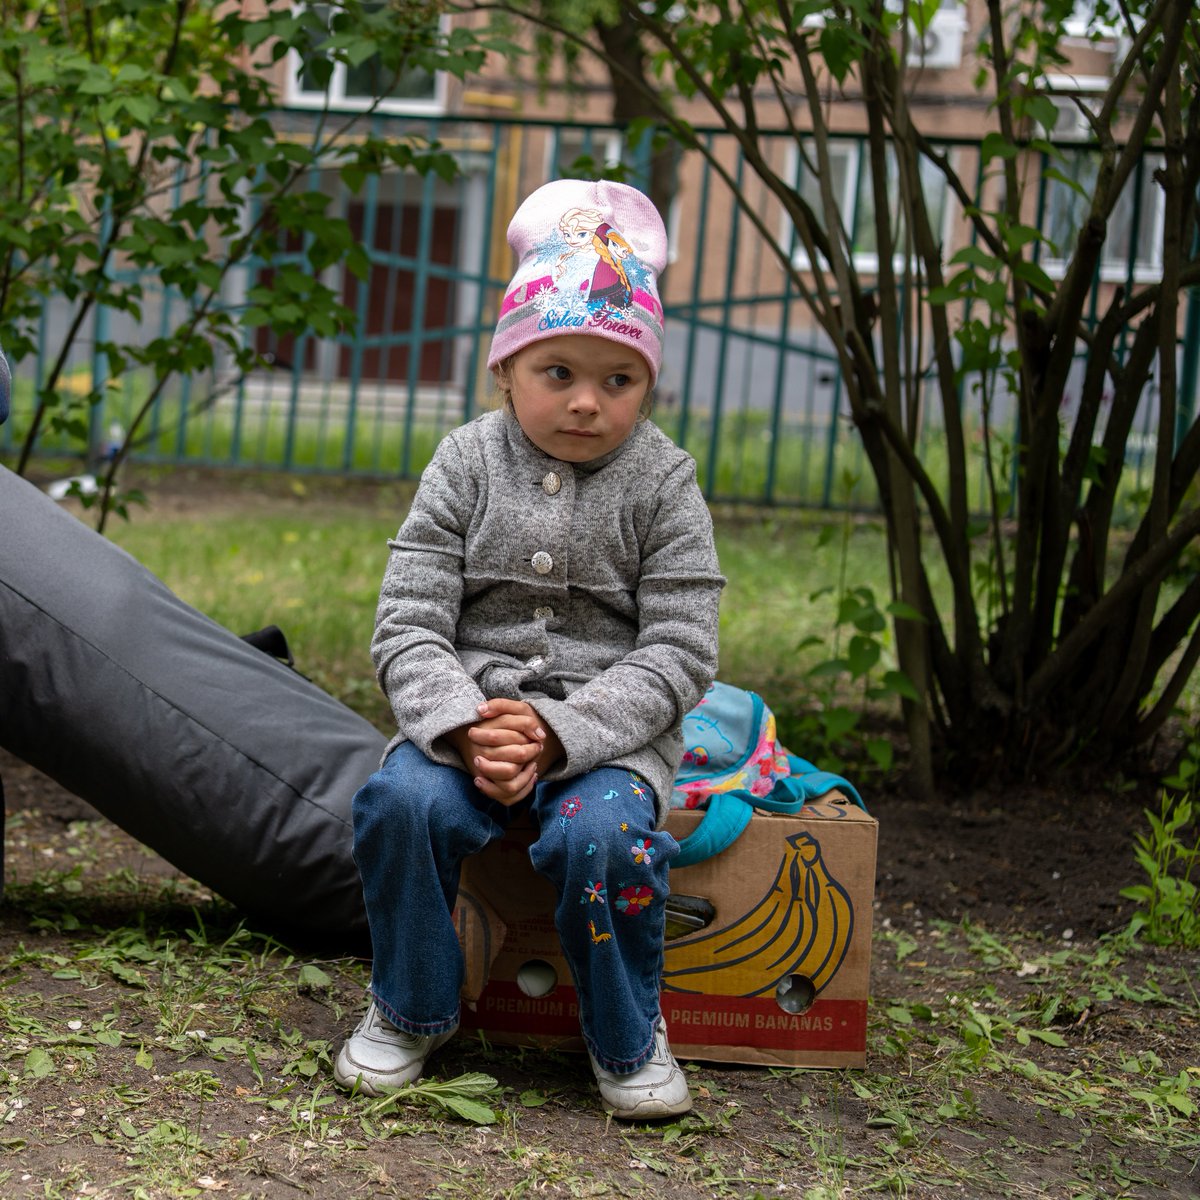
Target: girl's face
576,396
620,250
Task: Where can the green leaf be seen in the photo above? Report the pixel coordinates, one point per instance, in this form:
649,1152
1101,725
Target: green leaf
97,82
881,753
905,612
141,109
976,256
1074,184
127,974
312,977
1048,1036
837,49
1034,275
994,293
996,145
470,1083
838,722
900,684
946,294
469,1110
1018,236
1043,110
38,1064
831,666
862,654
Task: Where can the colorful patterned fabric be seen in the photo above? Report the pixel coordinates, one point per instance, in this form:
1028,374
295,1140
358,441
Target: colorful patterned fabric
733,764
729,745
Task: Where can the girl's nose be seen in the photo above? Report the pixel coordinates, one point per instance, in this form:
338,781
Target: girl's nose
584,398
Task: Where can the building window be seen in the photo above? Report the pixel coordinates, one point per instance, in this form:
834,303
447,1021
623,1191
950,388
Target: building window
414,90
1134,242
939,45
855,201
1093,21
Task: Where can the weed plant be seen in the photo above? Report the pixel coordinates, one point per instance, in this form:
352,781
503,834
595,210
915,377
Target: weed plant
1169,854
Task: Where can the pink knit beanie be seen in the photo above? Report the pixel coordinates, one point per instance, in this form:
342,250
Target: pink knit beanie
589,254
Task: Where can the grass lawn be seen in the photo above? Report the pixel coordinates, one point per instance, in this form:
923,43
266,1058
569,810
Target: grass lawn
311,563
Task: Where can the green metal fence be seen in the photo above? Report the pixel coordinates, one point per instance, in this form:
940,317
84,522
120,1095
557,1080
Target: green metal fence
749,383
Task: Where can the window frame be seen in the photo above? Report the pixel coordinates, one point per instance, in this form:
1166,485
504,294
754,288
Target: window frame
865,262
1113,268
336,99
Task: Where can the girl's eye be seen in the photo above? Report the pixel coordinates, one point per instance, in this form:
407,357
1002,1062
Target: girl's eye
617,381
559,373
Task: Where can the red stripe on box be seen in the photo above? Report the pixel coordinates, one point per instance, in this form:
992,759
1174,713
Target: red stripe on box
692,1020
503,1007
759,1021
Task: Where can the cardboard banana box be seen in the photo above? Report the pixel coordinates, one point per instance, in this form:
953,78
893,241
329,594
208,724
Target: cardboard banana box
768,949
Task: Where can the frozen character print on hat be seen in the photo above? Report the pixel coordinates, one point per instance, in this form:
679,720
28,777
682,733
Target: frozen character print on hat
590,256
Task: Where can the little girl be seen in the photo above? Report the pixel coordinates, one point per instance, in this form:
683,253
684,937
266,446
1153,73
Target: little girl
547,618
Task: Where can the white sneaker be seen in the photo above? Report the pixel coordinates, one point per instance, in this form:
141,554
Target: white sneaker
378,1056
658,1088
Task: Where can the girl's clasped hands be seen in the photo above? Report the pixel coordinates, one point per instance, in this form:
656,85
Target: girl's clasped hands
507,750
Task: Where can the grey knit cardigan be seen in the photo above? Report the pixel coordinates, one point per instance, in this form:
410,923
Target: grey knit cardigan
588,590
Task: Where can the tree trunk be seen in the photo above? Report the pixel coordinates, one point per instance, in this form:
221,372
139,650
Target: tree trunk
626,58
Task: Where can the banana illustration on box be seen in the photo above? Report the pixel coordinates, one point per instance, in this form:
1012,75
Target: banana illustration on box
801,926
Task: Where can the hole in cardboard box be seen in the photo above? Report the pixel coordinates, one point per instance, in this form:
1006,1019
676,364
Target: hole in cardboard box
687,914
795,993
537,978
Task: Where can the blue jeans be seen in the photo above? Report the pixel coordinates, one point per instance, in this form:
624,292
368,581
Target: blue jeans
414,823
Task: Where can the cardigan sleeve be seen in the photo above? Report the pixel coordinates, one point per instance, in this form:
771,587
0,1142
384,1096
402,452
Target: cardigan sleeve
419,600
649,691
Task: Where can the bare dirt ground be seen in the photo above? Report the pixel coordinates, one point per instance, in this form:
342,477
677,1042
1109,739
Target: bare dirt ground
154,1110
152,1047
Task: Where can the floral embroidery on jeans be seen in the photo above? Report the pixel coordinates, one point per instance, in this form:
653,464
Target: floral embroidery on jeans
569,808
634,900
642,851
598,937
593,892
